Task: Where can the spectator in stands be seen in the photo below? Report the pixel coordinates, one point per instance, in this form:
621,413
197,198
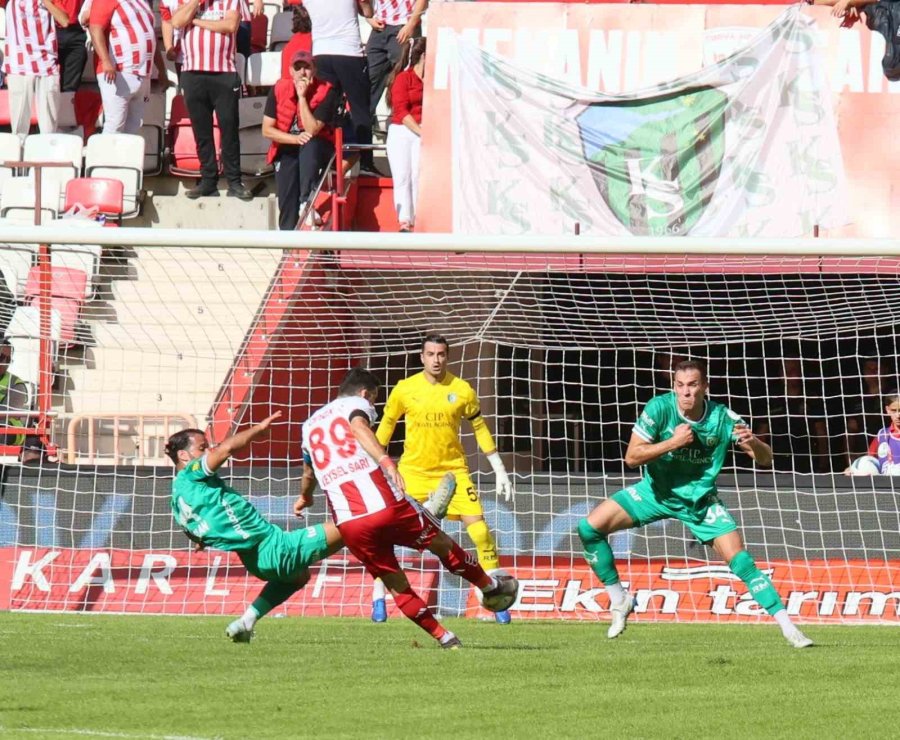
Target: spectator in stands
30,62
338,50
301,28
72,44
885,446
394,23
405,95
211,85
124,46
171,36
298,119
244,36
864,412
14,396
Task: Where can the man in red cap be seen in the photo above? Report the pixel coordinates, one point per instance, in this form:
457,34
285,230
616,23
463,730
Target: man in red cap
299,120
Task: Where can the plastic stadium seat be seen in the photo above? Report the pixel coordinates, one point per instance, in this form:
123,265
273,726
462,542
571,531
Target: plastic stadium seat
67,288
259,34
153,132
66,118
254,146
63,148
10,151
118,156
16,260
270,10
104,193
17,202
264,70
282,30
183,159
24,333
240,64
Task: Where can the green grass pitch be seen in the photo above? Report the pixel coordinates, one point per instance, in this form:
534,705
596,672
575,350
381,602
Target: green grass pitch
69,675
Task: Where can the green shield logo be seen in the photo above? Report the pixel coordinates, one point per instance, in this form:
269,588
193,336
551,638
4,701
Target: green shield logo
656,160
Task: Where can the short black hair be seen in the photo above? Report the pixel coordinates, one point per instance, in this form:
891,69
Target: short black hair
4,344
699,365
435,339
180,441
357,379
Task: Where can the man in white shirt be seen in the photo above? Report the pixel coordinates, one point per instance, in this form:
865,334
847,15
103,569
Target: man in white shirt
340,60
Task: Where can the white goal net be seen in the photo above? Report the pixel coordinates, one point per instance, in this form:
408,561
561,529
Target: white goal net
564,350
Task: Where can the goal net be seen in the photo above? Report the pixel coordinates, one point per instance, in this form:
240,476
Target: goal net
563,350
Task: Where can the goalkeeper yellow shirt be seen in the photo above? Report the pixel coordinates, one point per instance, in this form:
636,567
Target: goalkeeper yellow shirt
433,413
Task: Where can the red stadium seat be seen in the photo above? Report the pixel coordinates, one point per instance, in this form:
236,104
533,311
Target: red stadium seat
106,194
184,161
259,34
67,287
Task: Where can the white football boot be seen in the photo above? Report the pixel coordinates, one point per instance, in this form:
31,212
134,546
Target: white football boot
237,631
619,615
438,501
798,639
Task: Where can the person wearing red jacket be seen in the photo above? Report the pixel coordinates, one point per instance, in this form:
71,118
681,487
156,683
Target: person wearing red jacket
298,119
405,94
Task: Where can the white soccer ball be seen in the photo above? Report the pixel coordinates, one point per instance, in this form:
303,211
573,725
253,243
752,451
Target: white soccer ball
505,596
865,465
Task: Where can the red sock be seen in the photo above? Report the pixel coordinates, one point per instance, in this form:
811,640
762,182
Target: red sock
461,564
416,609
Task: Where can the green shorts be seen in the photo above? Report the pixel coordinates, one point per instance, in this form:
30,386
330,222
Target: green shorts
285,556
705,522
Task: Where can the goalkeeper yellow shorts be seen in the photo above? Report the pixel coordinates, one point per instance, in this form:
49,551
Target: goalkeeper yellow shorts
465,501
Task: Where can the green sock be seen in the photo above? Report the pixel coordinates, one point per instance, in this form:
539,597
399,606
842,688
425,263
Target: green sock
758,583
272,595
598,553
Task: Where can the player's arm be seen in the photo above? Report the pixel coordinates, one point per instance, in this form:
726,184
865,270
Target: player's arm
185,14
487,445
307,487
362,432
198,542
228,25
59,14
393,410
641,451
752,445
216,457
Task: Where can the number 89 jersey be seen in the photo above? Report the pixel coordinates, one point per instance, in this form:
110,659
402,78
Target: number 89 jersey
354,484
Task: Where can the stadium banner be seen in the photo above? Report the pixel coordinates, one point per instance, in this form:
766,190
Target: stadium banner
183,582
699,155
555,109
685,591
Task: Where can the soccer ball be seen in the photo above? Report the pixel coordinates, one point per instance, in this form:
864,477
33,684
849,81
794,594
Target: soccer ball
865,465
504,597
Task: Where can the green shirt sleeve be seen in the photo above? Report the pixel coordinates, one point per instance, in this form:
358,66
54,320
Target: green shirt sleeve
650,422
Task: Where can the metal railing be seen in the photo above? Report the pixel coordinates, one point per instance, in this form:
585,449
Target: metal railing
141,438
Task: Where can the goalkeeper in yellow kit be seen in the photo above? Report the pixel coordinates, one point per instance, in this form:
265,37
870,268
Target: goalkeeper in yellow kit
434,403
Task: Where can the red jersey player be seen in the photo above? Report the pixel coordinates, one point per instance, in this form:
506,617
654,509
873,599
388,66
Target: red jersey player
366,498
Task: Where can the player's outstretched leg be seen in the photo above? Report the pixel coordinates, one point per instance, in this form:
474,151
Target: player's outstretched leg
412,606
379,608
599,556
760,587
272,595
456,560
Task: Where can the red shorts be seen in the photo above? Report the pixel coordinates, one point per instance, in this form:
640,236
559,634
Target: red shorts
372,538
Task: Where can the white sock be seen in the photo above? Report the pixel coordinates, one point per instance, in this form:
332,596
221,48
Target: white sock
493,584
249,618
377,589
784,621
616,593
448,635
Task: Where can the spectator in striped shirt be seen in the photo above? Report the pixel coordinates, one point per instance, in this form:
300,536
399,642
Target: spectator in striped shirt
394,22
211,85
30,62
124,44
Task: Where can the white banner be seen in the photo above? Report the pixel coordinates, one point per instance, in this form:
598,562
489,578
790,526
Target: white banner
745,147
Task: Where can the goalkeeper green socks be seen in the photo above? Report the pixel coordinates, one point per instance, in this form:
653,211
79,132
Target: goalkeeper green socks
758,583
271,596
598,553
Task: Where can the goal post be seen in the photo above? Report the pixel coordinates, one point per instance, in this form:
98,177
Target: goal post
564,340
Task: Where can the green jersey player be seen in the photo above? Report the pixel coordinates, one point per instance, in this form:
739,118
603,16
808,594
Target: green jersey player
682,440
213,514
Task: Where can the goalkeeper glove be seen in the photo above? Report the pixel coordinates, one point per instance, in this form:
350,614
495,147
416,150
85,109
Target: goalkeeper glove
504,488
